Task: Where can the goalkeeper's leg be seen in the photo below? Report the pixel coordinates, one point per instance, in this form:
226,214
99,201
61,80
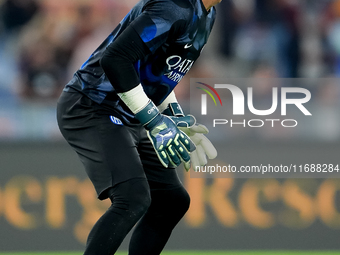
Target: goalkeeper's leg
130,201
169,204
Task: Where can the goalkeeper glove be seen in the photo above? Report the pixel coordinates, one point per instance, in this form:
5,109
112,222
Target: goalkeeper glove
204,147
196,132
171,145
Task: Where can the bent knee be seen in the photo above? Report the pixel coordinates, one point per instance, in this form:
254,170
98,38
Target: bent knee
182,200
173,202
140,202
133,196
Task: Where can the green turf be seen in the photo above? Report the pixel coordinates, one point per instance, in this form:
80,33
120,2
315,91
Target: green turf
198,253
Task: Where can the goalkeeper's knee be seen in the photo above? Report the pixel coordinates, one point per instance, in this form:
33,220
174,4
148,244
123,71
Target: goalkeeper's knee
131,198
169,205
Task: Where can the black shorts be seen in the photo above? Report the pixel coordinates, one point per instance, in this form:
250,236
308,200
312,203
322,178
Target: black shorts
111,151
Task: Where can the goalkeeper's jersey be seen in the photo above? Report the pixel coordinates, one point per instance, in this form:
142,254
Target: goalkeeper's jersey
175,31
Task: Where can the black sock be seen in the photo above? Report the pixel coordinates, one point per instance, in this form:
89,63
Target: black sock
154,229
130,201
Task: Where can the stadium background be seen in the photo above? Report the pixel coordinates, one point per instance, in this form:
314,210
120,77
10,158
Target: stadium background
46,201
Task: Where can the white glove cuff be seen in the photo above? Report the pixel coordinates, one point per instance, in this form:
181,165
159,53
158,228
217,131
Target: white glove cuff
135,99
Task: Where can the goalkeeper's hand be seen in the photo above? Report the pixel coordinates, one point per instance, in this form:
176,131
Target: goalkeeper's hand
196,132
204,148
171,145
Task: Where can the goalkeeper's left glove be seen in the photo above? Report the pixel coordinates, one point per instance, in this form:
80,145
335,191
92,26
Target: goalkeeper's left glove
196,132
171,145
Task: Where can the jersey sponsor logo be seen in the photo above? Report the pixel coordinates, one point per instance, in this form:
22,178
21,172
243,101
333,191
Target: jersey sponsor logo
116,121
187,46
178,67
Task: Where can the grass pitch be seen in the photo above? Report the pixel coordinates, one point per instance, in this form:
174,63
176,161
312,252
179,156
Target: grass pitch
196,253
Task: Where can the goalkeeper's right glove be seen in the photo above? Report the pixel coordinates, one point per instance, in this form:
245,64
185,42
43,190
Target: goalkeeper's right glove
171,145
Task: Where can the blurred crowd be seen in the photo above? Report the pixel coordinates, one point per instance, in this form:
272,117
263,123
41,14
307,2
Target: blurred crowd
43,42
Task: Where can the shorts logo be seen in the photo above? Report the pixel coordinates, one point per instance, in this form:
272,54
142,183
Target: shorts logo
116,121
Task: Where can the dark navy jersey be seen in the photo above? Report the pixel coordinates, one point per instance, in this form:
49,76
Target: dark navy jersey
175,31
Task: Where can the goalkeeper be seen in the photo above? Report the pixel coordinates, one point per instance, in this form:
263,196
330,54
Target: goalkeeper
120,114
